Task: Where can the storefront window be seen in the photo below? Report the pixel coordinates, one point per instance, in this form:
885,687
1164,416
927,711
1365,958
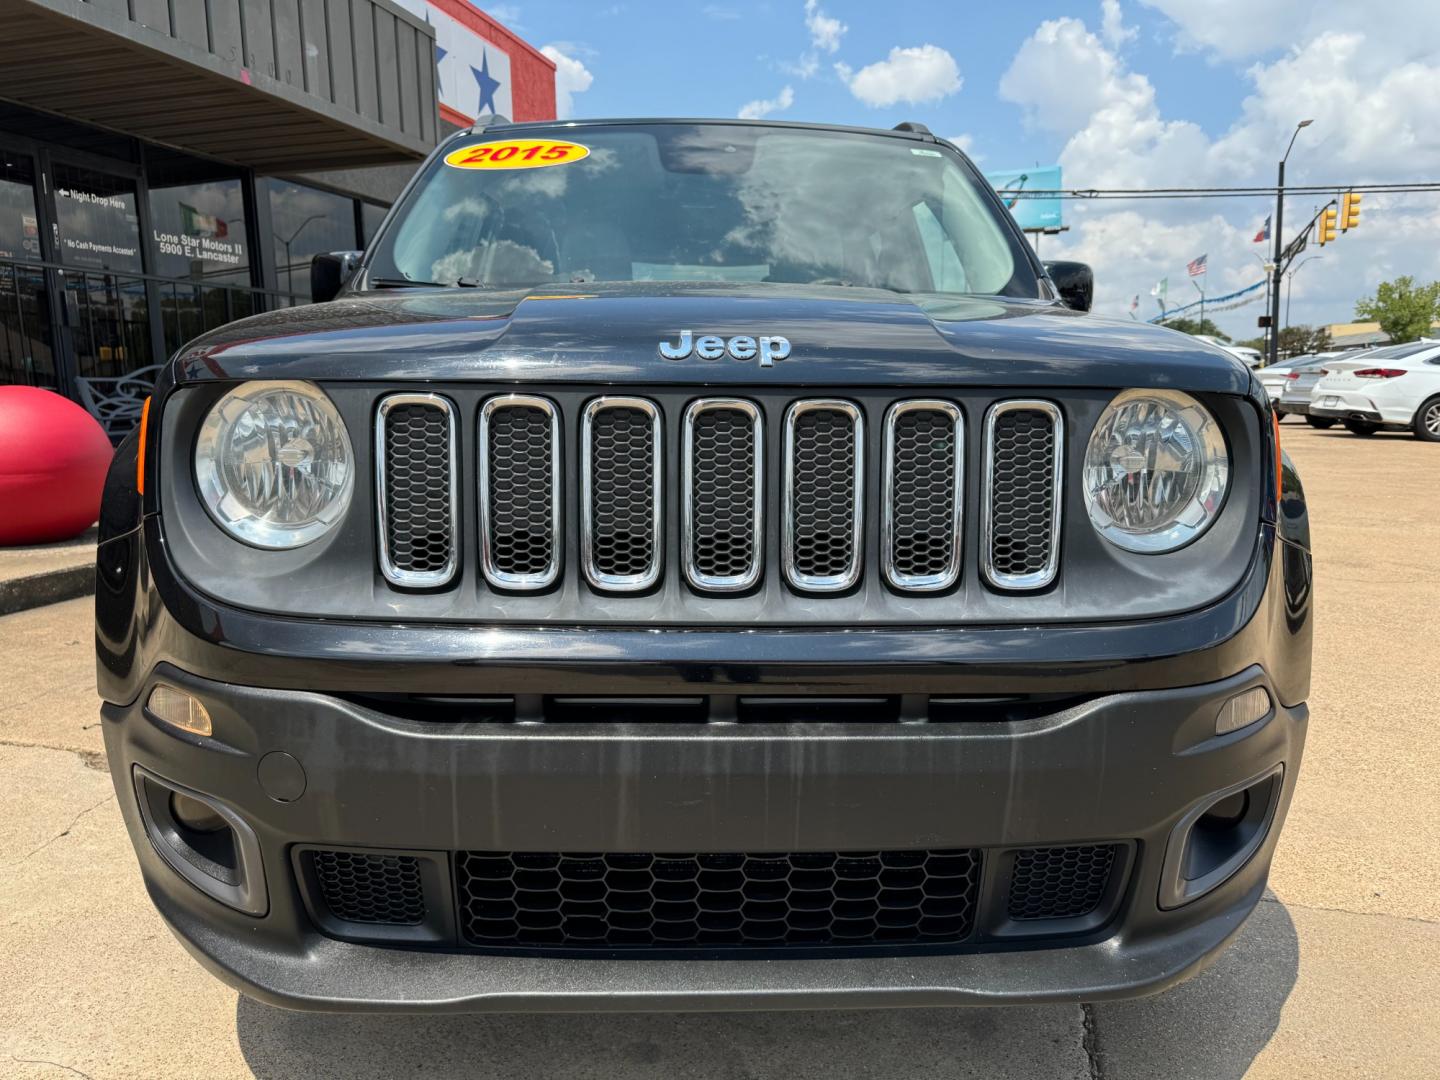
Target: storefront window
370,218
306,222
19,228
27,353
200,231
99,228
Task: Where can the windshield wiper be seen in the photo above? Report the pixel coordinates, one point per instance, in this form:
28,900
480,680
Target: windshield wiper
402,283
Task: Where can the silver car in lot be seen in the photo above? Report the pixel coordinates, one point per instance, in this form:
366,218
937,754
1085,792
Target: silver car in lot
1300,378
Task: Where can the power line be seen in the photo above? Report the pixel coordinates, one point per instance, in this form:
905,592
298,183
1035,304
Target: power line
1091,194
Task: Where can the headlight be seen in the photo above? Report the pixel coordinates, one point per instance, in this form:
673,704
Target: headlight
273,464
1156,471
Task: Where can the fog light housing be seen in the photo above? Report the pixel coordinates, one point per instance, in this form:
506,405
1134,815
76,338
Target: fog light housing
179,710
1242,710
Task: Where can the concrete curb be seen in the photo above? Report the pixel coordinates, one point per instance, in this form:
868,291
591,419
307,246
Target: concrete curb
49,587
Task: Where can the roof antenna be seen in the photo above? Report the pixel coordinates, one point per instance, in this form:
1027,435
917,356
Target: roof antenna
913,126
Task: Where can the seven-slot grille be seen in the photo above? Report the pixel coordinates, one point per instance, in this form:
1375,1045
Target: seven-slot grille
725,510
419,489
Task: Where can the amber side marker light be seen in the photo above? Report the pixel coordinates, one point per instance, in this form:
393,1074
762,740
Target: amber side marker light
179,709
1279,459
140,453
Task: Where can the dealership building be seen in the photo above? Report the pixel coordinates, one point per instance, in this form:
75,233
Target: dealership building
167,166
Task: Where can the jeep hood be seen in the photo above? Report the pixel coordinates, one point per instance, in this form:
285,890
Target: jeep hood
610,333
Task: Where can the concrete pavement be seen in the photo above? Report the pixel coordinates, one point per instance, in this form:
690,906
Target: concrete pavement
1337,975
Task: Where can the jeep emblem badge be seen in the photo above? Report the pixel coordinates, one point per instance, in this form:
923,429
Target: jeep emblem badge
714,347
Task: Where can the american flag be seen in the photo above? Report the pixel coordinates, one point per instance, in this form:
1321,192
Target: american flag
1196,267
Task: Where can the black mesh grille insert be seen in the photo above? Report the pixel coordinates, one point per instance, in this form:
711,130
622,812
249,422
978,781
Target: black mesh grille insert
677,901
922,496
622,541
419,532
822,495
1060,882
722,495
520,463
366,888
1022,493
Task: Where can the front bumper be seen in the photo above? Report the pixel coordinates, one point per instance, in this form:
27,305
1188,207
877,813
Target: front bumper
1125,766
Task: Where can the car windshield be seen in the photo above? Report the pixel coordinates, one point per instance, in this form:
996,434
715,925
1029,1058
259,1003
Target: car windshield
702,202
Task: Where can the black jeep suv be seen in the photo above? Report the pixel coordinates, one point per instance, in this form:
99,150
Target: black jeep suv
693,565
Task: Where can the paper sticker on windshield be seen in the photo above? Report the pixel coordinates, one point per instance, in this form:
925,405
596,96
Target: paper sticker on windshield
516,154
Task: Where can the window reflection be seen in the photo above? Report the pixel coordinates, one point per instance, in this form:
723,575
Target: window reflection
27,353
306,222
200,235
99,227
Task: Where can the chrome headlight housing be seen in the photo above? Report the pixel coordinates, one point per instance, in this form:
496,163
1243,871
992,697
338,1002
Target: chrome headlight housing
274,465
1156,471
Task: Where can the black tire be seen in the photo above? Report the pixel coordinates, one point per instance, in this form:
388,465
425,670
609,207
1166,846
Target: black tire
1427,420
1324,423
1361,427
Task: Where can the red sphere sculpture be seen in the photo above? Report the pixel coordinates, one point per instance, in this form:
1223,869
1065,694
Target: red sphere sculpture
53,458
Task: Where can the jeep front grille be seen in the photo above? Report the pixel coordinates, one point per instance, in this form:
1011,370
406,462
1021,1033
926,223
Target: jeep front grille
620,499
419,489
1024,452
924,492
520,491
772,481
824,495
724,490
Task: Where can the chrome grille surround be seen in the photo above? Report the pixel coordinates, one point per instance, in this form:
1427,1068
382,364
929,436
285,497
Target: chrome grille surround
803,500
696,518
492,560
895,520
642,517
996,520
385,488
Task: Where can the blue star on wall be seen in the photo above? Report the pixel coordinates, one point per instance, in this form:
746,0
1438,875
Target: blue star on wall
487,85
439,55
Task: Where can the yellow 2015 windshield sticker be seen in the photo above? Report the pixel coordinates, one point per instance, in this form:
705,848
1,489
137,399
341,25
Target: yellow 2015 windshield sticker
516,154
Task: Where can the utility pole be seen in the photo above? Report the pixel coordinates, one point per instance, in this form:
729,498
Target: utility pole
1276,273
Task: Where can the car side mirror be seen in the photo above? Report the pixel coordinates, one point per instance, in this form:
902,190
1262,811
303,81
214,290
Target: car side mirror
1075,282
329,273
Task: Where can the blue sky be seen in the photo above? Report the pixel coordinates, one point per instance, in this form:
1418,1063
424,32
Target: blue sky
652,58
1122,93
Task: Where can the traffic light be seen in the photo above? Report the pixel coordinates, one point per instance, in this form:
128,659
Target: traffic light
1349,210
1327,226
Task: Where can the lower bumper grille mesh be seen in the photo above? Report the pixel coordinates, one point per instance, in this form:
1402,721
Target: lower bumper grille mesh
1060,882
716,900
366,888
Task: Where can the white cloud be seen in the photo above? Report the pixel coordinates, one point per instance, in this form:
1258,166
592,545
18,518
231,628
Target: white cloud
719,13
571,78
754,110
1240,28
825,32
918,75
508,14
1112,25
1372,102
967,143
804,68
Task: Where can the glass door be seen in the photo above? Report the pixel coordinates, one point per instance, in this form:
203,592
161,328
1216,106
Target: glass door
97,240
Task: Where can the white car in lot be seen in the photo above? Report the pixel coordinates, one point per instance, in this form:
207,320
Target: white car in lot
1394,388
1276,378
1251,358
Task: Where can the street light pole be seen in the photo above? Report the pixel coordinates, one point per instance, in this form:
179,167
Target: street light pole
1278,271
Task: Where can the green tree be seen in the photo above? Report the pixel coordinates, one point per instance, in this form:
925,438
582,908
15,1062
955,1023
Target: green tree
1303,340
1403,309
1195,326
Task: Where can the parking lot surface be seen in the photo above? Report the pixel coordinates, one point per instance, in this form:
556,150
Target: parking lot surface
1337,974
